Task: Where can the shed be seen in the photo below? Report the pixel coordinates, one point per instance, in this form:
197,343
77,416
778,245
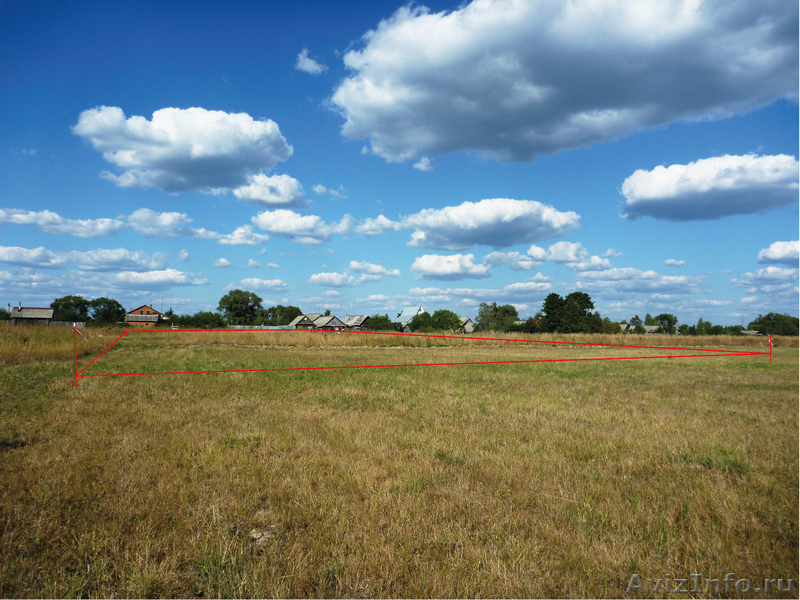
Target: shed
31,315
356,322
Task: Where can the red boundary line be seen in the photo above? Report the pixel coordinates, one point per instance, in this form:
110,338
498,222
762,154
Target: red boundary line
717,353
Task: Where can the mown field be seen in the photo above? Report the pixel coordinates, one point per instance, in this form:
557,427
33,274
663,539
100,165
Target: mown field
509,480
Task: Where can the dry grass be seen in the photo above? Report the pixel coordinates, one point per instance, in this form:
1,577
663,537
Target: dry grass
549,479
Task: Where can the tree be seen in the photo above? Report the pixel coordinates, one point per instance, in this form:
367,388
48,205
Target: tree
327,312
636,321
497,318
610,326
649,320
445,320
4,315
278,315
775,324
421,322
107,311
666,323
204,320
553,309
639,329
239,307
381,323
70,308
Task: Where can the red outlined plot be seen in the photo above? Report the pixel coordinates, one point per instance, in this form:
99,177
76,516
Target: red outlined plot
695,352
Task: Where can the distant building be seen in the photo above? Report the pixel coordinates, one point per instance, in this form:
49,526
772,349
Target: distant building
356,322
302,322
330,323
408,313
29,315
467,326
144,316
647,328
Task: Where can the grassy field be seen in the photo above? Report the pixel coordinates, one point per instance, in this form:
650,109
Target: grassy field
524,480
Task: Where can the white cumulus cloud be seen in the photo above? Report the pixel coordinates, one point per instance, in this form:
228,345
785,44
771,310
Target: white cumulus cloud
310,230
513,80
51,222
781,252
452,267
498,222
222,263
712,188
183,150
263,285
424,164
277,190
156,280
671,262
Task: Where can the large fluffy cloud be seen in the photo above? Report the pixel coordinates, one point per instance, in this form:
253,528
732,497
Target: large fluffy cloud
498,222
514,79
712,188
456,266
781,252
156,280
770,280
310,229
369,273
181,150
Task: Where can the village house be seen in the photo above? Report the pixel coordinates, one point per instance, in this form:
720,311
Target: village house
329,323
29,315
356,322
144,316
302,322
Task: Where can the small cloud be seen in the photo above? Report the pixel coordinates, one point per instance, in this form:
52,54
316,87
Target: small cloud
319,189
611,253
184,256
364,150
253,264
671,262
308,65
273,266
424,164
222,263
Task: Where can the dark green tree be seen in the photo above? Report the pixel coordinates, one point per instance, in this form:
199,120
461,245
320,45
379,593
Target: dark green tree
636,321
278,315
553,309
445,320
421,322
70,308
4,315
107,311
650,320
239,307
496,318
381,323
638,329
666,323
610,326
775,324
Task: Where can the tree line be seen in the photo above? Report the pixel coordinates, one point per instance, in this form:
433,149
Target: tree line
574,313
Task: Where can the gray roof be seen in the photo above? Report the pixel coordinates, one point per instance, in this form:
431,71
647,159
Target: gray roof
30,312
409,312
329,321
302,320
141,318
465,320
313,316
356,320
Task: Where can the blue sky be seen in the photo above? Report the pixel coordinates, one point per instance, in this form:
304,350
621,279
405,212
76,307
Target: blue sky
366,156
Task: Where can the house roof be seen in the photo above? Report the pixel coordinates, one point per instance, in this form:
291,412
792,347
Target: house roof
329,321
465,320
409,312
131,318
355,320
313,316
143,307
301,320
32,312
